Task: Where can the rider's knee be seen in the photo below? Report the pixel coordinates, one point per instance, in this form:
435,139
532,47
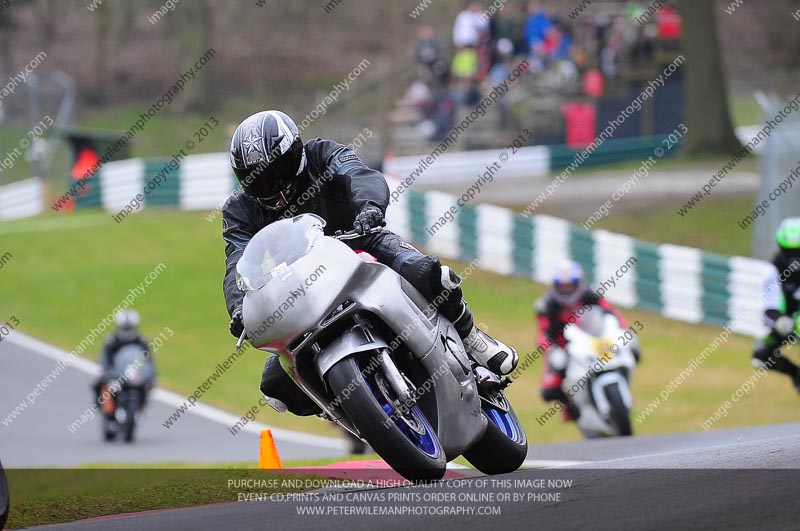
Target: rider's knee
550,394
276,383
763,352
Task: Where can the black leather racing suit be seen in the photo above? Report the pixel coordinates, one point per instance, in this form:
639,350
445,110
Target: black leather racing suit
767,350
340,186
113,343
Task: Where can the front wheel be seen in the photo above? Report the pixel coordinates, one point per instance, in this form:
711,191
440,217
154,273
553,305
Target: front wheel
504,446
619,415
404,439
4,498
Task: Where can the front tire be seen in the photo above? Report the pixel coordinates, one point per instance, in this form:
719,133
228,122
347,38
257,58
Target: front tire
414,452
504,446
4,498
619,415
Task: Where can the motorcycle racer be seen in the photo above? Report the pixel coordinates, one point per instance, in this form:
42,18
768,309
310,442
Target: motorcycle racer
126,333
782,303
554,310
283,177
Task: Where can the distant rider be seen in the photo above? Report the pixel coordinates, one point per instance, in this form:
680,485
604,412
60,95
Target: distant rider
283,177
126,333
781,303
555,310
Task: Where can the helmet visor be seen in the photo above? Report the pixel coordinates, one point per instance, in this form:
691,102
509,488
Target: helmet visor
273,185
566,288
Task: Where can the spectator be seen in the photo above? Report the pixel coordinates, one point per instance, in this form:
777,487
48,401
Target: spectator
504,51
444,116
470,26
419,99
536,25
465,75
509,25
669,23
557,43
642,49
614,42
465,63
429,50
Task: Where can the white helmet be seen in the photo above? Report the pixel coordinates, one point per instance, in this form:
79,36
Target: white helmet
567,282
127,324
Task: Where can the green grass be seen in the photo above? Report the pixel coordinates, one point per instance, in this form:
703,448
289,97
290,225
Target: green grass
50,496
745,111
42,496
61,283
712,225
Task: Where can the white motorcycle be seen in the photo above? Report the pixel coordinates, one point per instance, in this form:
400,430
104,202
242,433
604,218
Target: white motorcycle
599,359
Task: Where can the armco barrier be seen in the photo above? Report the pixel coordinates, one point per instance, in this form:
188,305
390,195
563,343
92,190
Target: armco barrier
22,199
679,282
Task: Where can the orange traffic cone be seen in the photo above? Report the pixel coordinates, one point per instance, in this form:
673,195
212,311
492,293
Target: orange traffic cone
268,457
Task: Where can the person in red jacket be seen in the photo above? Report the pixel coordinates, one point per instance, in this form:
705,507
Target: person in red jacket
554,310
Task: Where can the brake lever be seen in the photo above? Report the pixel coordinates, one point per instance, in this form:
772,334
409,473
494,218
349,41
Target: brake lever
353,234
241,339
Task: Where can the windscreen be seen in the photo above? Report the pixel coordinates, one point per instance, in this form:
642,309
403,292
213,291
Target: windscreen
274,248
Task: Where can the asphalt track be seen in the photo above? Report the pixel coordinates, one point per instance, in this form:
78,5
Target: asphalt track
713,480
39,437
733,479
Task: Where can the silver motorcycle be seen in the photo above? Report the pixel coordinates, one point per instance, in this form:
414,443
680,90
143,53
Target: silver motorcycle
373,353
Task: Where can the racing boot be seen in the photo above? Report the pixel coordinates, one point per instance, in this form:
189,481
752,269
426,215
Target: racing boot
489,352
480,346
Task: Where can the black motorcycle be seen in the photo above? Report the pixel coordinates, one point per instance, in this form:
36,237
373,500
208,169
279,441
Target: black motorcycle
126,385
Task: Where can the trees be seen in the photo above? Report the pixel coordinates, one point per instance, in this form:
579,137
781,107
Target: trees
707,116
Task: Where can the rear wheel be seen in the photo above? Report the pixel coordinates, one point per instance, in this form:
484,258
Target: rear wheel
403,438
130,430
504,446
109,434
619,415
131,407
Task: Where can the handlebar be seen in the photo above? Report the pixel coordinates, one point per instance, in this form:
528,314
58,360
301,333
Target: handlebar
353,234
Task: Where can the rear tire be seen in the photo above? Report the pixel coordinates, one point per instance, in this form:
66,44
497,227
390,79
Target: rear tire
131,407
110,429
382,432
619,414
496,452
130,430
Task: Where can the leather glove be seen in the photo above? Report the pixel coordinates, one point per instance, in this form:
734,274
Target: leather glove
237,324
367,219
784,325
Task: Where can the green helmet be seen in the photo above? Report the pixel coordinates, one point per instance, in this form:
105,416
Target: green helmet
788,237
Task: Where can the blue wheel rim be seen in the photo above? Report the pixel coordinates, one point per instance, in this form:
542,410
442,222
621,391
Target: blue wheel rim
502,420
426,441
